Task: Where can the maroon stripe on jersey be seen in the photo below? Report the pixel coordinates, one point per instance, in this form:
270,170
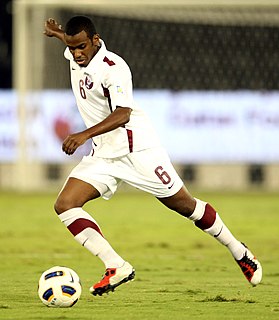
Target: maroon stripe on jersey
109,62
80,224
207,219
130,139
107,95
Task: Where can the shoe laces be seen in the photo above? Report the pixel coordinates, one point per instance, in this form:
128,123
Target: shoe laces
109,272
248,266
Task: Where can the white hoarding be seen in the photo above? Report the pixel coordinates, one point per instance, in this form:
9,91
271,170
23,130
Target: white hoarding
195,127
8,126
202,127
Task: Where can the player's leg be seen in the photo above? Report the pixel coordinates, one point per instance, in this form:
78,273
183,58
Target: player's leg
152,171
207,219
75,193
83,227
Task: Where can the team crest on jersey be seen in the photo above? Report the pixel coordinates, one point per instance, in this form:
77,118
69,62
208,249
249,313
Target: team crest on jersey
119,89
88,82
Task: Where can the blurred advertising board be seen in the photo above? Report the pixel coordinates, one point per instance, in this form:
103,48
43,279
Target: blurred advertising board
194,127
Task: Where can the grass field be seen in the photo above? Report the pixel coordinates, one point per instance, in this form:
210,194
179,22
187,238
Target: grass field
181,273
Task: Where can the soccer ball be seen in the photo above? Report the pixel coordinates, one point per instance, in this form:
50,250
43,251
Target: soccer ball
59,287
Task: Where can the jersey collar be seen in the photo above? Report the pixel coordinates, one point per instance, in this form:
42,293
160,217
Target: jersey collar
96,60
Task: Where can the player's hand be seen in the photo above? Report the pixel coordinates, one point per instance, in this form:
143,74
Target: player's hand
52,28
73,141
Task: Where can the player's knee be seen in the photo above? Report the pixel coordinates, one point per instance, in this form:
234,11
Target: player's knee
62,204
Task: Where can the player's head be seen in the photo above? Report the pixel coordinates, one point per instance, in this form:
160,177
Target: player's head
78,23
82,39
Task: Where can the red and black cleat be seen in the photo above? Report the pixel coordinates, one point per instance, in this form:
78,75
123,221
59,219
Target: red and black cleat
113,278
250,267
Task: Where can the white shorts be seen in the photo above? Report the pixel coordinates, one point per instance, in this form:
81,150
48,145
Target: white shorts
149,170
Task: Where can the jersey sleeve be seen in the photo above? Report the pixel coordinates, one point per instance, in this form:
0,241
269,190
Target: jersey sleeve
67,54
119,84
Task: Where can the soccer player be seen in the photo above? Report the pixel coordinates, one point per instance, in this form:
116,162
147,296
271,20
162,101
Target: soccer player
125,148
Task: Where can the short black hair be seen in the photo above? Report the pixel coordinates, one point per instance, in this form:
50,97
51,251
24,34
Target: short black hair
79,23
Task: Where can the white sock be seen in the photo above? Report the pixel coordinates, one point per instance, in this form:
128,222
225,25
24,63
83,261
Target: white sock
87,232
217,229
220,231
199,210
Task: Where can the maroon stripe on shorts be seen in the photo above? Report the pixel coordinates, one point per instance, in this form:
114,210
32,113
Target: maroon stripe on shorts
80,224
207,219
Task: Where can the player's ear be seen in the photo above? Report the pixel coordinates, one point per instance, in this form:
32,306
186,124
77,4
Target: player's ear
96,39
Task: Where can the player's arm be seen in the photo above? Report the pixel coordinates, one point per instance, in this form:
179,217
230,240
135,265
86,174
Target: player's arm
116,119
54,29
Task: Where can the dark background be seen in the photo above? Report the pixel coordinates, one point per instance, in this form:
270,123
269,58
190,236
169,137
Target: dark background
5,44
177,56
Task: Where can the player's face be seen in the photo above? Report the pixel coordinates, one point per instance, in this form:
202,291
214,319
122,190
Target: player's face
82,48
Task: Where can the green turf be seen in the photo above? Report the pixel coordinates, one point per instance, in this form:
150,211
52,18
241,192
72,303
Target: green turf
181,273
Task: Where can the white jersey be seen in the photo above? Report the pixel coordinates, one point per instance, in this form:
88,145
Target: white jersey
106,83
